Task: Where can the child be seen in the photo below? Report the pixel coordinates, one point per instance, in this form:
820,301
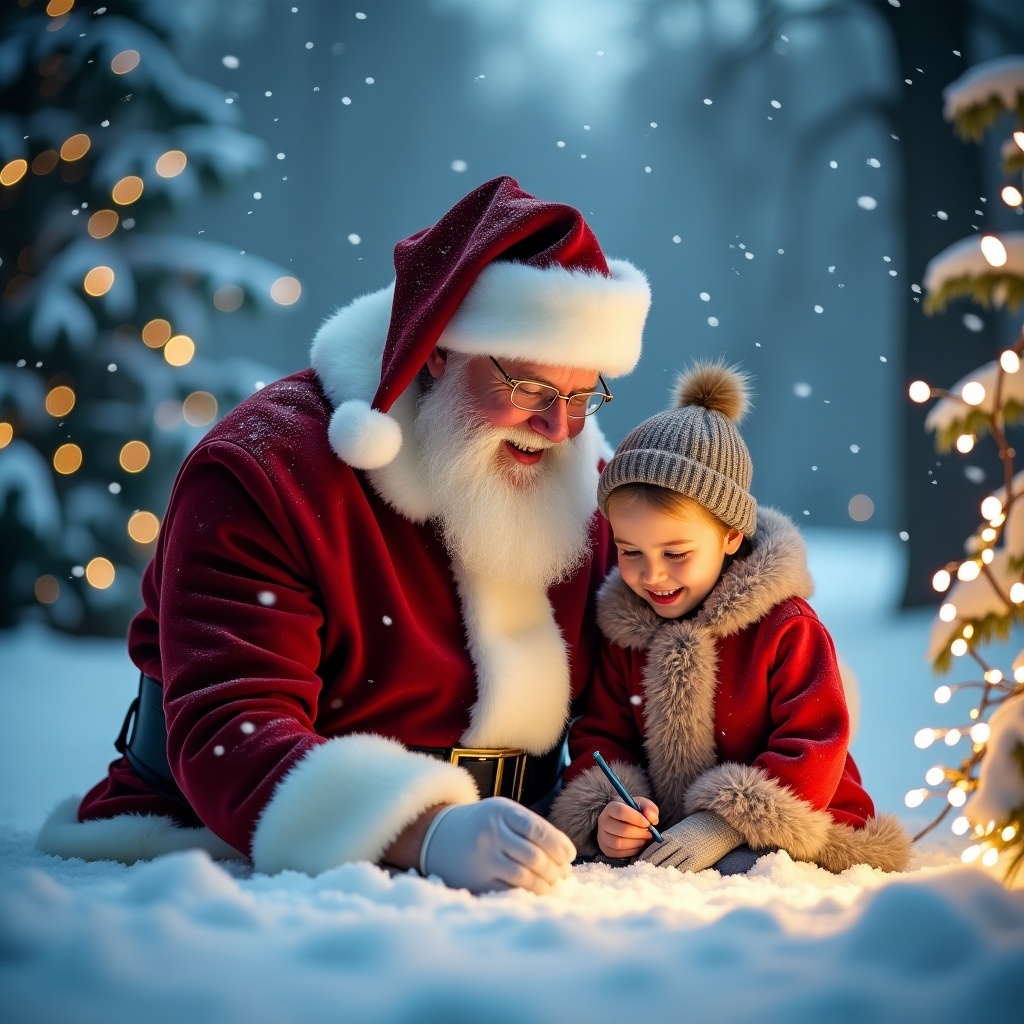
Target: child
718,698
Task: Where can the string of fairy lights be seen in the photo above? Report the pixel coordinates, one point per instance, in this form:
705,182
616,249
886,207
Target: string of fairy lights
197,409
954,784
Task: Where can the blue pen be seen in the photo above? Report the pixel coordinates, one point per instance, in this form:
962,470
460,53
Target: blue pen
622,791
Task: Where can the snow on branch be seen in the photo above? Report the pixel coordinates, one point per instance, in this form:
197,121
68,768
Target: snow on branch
964,268
984,93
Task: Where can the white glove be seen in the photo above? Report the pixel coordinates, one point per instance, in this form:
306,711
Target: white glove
495,844
693,844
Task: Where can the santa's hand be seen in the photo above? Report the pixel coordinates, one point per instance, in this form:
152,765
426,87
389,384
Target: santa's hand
495,844
693,844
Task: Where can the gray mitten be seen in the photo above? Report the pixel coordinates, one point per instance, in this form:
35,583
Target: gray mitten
693,844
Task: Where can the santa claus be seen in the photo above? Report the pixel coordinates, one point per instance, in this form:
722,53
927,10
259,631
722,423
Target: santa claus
371,603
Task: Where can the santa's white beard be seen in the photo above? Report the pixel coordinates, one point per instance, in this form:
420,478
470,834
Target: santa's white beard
513,523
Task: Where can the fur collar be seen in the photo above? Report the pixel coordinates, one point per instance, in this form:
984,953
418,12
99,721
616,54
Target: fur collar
775,569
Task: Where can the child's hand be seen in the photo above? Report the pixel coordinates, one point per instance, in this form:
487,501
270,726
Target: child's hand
621,831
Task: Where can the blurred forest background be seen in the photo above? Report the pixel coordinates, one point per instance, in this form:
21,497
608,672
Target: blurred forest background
780,169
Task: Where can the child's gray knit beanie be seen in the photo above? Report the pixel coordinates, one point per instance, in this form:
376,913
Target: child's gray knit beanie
694,448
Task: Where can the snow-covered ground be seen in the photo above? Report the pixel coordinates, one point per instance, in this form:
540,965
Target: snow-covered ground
184,938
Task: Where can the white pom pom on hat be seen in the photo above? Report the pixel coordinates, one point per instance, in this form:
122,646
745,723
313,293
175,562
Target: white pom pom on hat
362,436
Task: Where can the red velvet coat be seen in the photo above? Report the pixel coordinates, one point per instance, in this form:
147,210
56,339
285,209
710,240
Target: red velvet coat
738,709
306,629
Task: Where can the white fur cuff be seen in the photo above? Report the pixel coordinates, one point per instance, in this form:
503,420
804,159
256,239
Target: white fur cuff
347,800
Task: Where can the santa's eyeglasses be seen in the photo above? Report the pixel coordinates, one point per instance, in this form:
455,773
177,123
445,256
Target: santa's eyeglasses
533,396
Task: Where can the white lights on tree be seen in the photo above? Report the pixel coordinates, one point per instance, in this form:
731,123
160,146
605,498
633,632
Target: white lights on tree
993,250
973,392
1009,360
919,391
991,508
924,738
943,694
964,443
941,581
969,570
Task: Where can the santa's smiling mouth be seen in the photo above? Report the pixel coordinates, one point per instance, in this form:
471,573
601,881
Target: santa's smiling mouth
524,455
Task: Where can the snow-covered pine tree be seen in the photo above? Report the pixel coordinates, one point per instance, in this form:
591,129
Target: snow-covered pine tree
104,320
984,592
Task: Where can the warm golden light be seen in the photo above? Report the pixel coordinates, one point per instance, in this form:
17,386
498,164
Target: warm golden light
1009,360
13,171
179,350
199,408
47,589
75,148
1017,597
958,648
1011,195
103,223
60,401
860,508
969,570
941,581
143,527
924,738
55,8
98,281
100,573
171,163
67,459
125,61
285,290
947,613
993,250
156,333
964,443
134,457
919,391
228,297
127,190
943,695
6,433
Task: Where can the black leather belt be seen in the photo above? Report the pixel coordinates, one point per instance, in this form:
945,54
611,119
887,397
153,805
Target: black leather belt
496,771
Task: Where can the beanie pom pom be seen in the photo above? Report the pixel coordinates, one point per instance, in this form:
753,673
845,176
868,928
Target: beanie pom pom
715,386
364,437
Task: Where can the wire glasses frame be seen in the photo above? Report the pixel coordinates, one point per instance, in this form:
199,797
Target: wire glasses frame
533,396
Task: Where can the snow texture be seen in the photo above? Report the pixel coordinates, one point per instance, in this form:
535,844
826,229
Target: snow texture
185,938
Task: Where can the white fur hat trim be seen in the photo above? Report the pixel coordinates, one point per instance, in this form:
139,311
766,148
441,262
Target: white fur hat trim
362,436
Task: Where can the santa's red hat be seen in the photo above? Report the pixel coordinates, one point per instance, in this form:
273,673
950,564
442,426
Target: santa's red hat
501,274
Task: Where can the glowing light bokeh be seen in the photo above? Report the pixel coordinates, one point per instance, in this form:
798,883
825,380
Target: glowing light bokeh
156,333
143,527
125,61
285,291
13,171
67,459
75,148
134,457
100,573
103,223
127,190
171,163
1009,360
47,589
98,281
179,350
60,401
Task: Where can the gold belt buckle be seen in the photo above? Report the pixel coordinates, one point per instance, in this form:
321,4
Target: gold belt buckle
502,755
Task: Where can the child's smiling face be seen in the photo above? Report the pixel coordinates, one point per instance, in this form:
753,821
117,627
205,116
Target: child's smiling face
672,560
